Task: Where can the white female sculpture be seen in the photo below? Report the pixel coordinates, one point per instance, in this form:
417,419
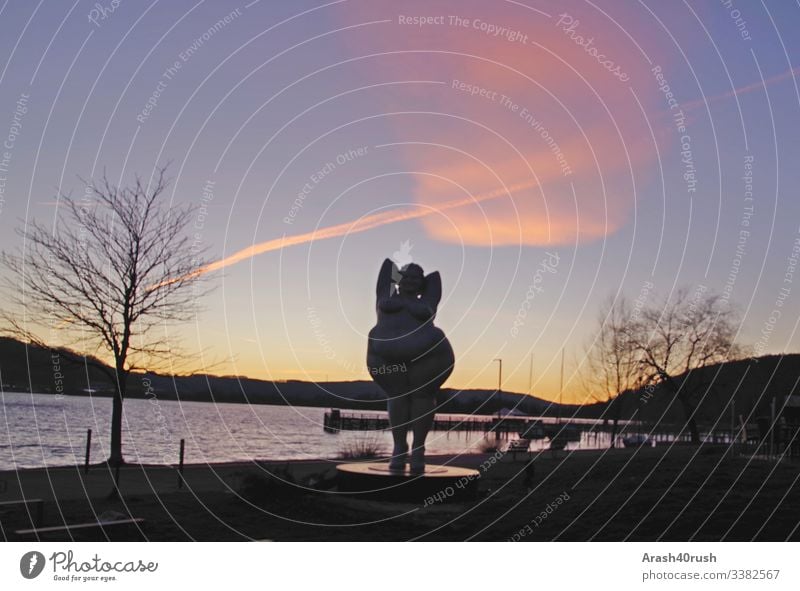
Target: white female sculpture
408,357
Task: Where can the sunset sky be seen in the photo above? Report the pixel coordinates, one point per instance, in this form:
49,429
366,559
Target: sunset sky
542,156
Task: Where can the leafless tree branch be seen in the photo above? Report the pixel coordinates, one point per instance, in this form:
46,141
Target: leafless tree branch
111,277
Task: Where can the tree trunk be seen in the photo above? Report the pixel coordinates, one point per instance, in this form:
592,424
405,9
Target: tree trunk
681,392
616,414
115,454
614,431
688,410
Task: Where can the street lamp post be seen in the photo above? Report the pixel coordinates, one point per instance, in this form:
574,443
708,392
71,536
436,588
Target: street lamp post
499,394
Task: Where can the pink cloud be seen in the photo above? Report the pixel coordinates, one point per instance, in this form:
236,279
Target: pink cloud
530,107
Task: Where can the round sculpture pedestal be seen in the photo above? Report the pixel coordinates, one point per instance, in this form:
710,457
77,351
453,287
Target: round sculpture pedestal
439,484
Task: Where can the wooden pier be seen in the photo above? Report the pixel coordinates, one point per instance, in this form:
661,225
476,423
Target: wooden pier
336,421
592,433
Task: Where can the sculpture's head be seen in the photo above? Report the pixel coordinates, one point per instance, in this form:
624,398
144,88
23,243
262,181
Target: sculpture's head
412,279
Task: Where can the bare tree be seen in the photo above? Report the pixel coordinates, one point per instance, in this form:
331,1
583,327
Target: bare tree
110,278
680,336
611,363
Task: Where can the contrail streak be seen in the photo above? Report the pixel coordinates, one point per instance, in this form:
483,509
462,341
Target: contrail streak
360,225
698,103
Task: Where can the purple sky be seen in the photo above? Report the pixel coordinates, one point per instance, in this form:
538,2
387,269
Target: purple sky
545,162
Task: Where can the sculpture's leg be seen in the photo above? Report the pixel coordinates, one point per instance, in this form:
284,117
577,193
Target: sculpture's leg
399,408
423,405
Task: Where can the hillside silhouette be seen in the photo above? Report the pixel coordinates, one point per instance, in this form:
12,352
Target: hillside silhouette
752,382
30,368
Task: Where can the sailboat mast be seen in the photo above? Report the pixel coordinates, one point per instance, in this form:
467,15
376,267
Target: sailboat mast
530,377
561,388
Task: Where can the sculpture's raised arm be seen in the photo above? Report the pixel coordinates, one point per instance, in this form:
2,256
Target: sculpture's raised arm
383,288
433,290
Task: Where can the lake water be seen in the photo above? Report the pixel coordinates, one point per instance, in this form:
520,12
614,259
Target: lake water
44,430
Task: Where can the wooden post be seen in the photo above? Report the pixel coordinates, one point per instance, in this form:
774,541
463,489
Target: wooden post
88,451
180,464
732,436
772,428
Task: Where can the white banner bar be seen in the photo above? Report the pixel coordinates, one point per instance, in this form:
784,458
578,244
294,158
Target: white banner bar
389,566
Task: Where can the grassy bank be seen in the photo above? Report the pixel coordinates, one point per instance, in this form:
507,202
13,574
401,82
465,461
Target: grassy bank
680,493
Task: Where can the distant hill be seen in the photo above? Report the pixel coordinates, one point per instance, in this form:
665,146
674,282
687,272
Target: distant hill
29,368
26,368
752,383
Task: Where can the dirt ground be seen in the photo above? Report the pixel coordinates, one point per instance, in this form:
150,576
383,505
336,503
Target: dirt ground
670,494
